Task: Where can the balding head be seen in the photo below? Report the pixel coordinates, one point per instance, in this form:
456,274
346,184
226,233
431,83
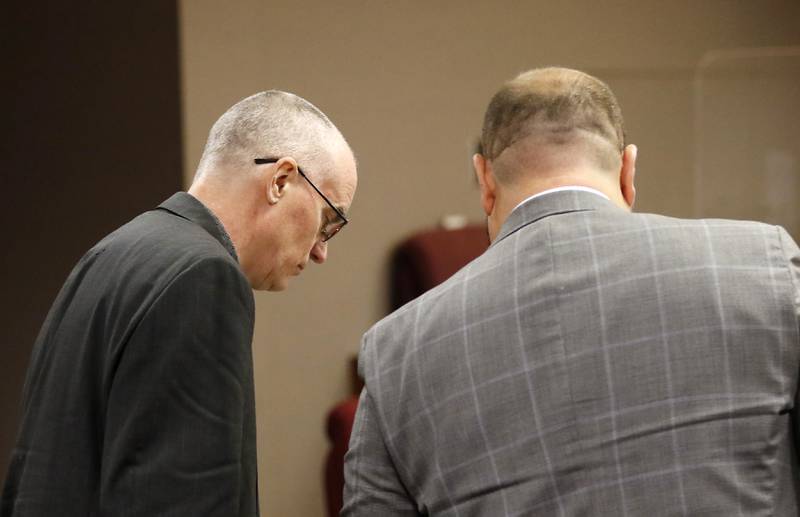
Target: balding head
549,128
549,117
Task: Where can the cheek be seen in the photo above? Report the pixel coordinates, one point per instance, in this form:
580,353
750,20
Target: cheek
306,226
300,233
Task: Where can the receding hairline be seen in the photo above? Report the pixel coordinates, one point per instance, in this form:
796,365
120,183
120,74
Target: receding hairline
561,104
272,123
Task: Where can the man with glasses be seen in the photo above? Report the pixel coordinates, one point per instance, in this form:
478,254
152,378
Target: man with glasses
593,361
139,395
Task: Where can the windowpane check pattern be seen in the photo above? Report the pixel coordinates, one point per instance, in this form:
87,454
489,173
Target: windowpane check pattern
591,362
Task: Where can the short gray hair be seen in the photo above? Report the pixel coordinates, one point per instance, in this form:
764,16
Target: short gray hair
270,124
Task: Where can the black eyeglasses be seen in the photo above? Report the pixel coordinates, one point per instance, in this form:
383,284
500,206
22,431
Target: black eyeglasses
330,228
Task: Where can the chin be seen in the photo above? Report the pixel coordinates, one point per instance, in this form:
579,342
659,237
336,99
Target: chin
273,281
275,285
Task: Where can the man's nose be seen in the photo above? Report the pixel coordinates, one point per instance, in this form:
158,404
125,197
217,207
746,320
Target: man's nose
319,252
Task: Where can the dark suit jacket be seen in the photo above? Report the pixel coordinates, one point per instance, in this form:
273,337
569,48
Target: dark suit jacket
590,362
139,394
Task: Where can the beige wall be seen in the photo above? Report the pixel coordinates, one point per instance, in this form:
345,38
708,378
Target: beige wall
747,118
407,82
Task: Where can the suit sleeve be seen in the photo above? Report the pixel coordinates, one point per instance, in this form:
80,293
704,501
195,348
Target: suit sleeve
372,485
178,402
791,254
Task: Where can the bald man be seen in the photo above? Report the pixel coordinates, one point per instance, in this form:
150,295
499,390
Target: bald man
593,361
139,396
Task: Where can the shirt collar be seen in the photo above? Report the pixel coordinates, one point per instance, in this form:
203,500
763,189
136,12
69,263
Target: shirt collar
557,201
192,209
561,189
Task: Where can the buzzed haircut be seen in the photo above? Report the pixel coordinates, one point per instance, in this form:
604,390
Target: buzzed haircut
269,124
560,107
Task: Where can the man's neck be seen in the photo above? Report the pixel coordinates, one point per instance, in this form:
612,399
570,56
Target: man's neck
561,189
512,196
222,212
539,184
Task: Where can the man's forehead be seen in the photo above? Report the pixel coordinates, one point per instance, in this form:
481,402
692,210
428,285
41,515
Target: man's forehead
346,174
339,186
342,195
341,179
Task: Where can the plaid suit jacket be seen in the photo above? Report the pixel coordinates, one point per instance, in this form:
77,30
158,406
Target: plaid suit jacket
591,362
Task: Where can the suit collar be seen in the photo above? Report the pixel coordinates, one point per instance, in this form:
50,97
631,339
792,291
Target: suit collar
553,203
190,208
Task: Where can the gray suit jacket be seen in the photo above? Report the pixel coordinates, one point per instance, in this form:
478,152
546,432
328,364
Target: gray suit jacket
591,362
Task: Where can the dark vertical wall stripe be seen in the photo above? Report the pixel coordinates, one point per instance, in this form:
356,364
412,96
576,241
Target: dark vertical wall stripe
91,136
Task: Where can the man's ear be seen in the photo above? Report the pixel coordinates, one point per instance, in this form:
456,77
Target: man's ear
627,173
279,179
486,181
